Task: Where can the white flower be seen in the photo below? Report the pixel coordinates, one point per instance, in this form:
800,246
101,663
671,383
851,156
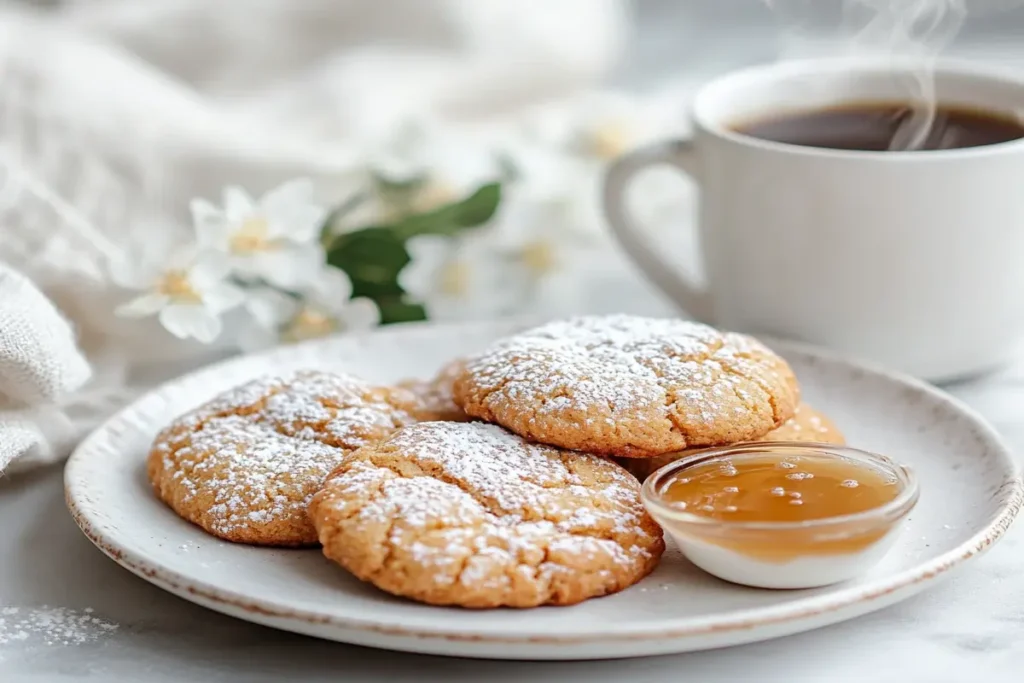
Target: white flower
561,153
326,308
270,308
598,127
257,322
543,243
458,279
542,173
419,167
452,163
275,239
555,191
320,309
189,292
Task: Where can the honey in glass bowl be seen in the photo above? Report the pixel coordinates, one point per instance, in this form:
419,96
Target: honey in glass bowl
782,515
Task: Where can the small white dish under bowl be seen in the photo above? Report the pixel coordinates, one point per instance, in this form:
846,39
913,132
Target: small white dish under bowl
809,553
970,492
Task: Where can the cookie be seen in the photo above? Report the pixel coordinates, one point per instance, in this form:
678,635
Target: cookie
628,386
435,395
806,425
469,514
245,465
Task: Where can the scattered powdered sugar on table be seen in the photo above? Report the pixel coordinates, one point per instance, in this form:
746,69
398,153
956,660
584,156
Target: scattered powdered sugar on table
51,626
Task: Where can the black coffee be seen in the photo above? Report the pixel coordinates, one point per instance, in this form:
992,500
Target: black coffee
885,126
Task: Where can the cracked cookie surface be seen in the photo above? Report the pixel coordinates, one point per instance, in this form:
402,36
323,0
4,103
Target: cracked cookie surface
244,465
469,514
807,424
629,386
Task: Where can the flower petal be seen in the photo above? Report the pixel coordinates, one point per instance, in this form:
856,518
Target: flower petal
299,224
212,232
286,195
291,212
181,258
142,306
209,268
238,205
269,307
417,279
222,297
428,254
249,335
290,267
331,289
360,313
431,248
185,321
132,272
487,284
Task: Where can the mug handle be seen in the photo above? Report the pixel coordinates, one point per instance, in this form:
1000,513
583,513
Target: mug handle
681,287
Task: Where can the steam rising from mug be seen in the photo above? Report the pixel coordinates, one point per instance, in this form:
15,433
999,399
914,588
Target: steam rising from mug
913,32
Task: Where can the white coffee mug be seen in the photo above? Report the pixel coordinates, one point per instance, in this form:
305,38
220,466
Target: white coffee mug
913,259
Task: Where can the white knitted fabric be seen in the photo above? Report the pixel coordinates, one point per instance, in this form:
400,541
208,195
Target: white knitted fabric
40,367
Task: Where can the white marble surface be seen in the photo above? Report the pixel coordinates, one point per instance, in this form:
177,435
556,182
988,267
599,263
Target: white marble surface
970,625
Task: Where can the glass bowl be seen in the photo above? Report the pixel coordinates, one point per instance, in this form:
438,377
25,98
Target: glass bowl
789,554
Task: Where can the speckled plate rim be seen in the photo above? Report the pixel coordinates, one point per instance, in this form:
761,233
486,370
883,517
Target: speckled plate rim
713,630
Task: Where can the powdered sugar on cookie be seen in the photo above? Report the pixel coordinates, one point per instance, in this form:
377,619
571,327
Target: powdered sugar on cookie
243,474
469,514
338,409
245,465
629,386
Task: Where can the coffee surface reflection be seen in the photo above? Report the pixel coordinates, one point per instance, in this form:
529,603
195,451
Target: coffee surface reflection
881,126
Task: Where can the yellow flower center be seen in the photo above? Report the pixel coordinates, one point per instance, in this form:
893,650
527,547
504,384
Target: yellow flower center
176,285
454,278
609,141
310,323
539,257
252,237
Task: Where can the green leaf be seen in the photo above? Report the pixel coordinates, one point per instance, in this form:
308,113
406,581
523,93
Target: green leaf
479,207
386,185
395,310
471,212
372,258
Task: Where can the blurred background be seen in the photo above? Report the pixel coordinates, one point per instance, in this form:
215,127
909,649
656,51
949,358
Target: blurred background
117,115
709,37
450,151
666,37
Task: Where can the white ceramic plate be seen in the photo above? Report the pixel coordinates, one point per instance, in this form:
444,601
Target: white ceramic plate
970,493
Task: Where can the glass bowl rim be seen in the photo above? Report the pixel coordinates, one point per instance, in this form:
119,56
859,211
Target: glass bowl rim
891,511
